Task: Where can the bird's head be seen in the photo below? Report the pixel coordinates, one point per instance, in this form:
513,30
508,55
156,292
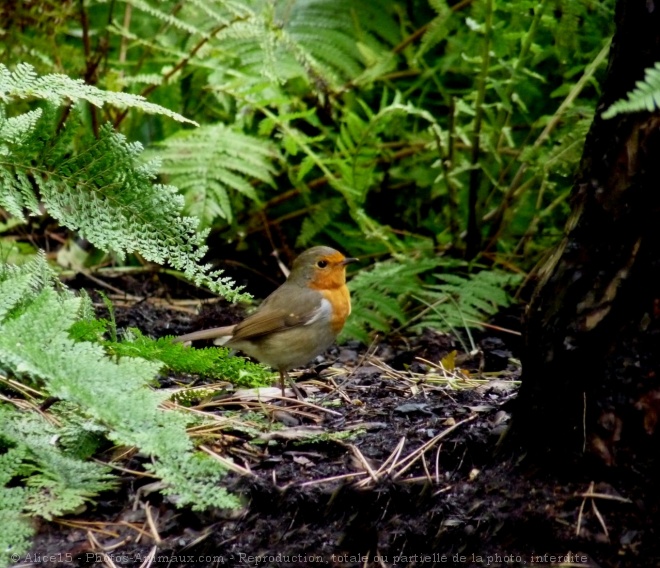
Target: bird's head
320,268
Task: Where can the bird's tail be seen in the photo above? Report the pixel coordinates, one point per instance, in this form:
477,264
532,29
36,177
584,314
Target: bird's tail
213,333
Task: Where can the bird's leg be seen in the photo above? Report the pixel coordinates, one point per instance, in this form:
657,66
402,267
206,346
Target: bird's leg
282,381
296,390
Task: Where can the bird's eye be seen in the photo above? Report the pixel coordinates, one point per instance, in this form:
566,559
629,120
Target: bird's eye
322,263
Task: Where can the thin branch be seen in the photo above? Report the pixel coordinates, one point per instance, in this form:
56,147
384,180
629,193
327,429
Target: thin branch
123,48
516,188
473,238
181,64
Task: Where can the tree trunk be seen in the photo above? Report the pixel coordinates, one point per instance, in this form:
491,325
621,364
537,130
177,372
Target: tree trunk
591,368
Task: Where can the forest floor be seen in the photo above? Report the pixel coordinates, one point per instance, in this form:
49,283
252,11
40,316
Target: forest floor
391,461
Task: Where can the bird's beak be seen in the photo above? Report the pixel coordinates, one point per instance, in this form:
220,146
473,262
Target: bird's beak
349,261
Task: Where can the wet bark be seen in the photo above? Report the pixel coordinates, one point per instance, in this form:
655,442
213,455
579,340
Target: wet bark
591,369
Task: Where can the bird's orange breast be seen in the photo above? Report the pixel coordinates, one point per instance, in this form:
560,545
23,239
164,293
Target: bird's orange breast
340,300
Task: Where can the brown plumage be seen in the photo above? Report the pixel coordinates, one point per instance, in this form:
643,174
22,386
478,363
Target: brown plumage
299,320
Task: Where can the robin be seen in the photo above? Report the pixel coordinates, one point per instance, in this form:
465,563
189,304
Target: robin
299,320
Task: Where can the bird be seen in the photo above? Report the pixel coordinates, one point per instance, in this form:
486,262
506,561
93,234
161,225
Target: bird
298,321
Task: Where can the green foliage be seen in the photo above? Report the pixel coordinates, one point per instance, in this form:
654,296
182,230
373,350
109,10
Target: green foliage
95,185
44,466
645,96
395,130
17,530
378,295
207,163
24,83
349,39
211,362
438,28
384,128
464,301
194,479
56,480
88,329
366,115
390,291
381,127
401,129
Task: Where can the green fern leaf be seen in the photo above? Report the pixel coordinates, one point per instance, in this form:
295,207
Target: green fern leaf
101,189
465,301
645,96
380,293
438,27
214,163
24,83
98,396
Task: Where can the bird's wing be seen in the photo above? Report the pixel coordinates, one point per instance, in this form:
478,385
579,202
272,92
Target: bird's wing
287,307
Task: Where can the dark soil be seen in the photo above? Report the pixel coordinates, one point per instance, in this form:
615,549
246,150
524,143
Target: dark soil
411,472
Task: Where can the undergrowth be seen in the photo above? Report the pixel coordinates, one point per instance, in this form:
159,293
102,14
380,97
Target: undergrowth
65,396
382,128
438,138
416,293
209,363
92,182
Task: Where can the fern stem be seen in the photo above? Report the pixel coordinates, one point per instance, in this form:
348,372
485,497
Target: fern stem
505,115
419,32
473,238
92,62
182,63
163,28
516,188
123,47
452,192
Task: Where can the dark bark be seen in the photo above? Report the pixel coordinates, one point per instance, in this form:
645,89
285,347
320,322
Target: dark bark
591,369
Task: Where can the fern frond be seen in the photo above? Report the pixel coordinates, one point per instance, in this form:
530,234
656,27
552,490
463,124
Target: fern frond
211,362
164,17
385,294
333,31
24,83
20,284
17,530
16,130
465,301
102,189
438,27
210,9
213,163
195,478
645,95
322,216
57,483
380,293
98,396
327,43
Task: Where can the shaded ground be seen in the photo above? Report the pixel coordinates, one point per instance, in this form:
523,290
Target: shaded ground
391,462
